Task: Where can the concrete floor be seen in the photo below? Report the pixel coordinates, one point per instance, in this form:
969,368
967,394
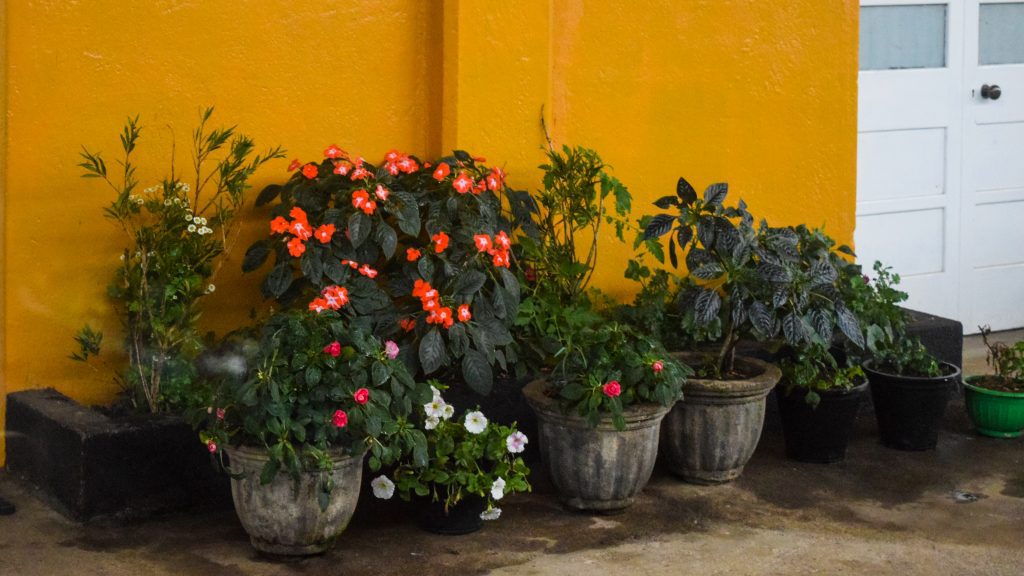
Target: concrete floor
879,512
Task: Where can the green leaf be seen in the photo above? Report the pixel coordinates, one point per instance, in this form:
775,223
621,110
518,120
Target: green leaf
255,256
279,279
387,239
665,201
706,306
359,225
432,353
685,192
470,282
268,194
714,195
312,266
659,226
312,375
476,371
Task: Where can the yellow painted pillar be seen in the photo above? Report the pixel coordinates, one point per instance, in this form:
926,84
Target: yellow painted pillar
3,228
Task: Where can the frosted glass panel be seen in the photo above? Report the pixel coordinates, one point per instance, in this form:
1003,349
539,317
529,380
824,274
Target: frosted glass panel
1001,28
900,37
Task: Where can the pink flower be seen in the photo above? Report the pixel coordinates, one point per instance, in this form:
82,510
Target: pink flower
391,349
220,414
381,192
612,389
658,366
334,349
340,419
211,446
361,396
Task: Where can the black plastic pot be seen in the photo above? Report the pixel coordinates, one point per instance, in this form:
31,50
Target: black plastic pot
909,409
462,518
819,434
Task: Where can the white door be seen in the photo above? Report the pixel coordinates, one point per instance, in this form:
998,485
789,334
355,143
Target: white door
940,178
992,279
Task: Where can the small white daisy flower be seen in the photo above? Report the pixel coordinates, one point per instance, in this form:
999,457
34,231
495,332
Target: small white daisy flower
191,227
210,289
516,442
185,187
167,202
475,422
188,217
498,488
492,514
383,487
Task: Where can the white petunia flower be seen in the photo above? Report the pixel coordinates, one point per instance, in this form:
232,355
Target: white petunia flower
437,393
475,422
449,411
498,488
191,227
383,487
434,408
431,423
492,514
516,442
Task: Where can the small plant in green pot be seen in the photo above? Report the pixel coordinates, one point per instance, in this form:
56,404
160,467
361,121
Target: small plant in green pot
909,387
604,387
296,409
995,402
473,464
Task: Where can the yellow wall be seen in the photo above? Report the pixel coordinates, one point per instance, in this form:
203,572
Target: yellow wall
762,94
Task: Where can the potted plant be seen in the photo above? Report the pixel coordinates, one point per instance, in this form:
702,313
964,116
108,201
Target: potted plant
995,403
604,387
745,282
426,242
472,465
296,410
909,387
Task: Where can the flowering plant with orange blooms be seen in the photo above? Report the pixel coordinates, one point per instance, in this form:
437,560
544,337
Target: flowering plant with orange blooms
421,251
306,385
177,228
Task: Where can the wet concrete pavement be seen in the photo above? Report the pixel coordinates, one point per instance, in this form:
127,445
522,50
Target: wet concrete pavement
957,510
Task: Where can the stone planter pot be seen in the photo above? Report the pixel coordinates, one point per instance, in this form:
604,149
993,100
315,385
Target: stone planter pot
595,468
710,435
284,519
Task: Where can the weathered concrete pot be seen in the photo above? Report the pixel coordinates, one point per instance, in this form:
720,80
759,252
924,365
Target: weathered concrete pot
713,431
596,468
285,519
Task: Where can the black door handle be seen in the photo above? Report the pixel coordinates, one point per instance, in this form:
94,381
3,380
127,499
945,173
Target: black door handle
992,92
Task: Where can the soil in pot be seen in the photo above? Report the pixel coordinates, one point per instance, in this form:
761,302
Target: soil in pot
595,468
995,406
460,518
909,409
710,435
819,433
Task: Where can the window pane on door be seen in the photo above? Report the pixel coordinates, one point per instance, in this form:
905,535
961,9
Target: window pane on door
901,37
1001,34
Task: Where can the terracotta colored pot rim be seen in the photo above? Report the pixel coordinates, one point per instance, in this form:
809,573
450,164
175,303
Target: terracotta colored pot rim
635,415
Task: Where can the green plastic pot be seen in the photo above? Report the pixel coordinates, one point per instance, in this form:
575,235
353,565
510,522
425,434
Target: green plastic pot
994,413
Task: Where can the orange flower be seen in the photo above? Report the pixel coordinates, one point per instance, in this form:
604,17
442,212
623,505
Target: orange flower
407,324
309,171
360,173
442,171
359,198
483,242
381,192
278,225
318,305
502,240
350,263
480,187
294,165
392,168
298,214
430,306
500,258
412,254
420,287
463,183
392,155
407,165
333,151
369,207
464,313
296,247
300,229
336,296
365,270
440,242
494,179
324,233
444,317
342,168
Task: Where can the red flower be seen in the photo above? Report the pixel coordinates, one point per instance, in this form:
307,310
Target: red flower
211,446
407,324
440,242
392,155
220,414
381,192
657,366
309,171
333,151
464,313
442,171
483,242
318,305
324,233
340,419
369,207
463,183
407,165
359,198
612,389
335,296
278,225
360,173
365,270
295,164
530,273
334,349
362,396
342,168
296,247
412,254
